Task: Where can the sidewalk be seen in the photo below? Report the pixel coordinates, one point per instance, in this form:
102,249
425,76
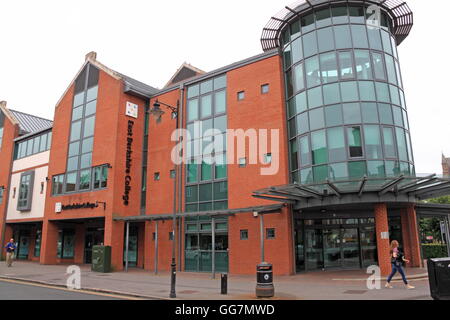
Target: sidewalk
336,285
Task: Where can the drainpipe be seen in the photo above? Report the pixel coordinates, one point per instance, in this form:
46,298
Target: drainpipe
156,247
179,176
127,239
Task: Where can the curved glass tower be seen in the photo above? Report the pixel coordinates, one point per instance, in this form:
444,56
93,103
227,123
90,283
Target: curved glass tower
346,110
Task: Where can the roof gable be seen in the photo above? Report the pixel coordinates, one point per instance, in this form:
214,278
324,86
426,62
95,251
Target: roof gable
186,71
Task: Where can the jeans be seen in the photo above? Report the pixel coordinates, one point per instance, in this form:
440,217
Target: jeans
397,267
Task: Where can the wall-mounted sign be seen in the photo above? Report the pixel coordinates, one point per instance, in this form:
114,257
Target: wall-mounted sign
385,235
58,207
132,110
74,206
128,164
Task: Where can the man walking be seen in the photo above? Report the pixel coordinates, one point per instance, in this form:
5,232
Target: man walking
10,249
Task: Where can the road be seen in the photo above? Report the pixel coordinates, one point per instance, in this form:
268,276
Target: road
17,290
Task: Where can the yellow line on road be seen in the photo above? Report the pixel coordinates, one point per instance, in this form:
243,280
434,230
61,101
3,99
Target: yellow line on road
70,290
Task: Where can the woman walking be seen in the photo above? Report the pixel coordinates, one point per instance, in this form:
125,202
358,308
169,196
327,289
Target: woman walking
397,259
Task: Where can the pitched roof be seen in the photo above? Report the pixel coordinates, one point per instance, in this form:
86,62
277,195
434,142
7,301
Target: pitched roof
29,123
186,71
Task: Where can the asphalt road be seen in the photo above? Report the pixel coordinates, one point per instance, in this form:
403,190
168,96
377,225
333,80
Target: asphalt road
15,290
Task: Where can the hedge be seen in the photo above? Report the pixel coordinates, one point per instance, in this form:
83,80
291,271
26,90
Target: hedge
434,251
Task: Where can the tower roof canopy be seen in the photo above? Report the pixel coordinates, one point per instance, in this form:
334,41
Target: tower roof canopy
398,10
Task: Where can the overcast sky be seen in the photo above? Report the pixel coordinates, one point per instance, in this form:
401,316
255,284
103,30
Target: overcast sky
43,44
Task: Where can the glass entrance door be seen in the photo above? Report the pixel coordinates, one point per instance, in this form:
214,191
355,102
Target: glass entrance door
132,247
350,248
314,249
24,240
332,248
93,237
368,239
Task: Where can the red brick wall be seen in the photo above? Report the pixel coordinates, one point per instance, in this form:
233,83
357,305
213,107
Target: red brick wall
414,240
10,131
258,111
383,245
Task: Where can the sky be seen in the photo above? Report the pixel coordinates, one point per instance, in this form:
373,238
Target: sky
43,45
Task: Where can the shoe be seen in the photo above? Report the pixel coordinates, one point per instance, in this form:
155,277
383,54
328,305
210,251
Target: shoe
409,287
388,286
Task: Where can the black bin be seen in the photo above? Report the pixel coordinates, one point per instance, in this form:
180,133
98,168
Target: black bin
439,277
264,280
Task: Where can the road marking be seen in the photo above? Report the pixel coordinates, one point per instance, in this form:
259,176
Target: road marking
69,290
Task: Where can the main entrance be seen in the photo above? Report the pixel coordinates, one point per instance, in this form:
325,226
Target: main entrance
335,243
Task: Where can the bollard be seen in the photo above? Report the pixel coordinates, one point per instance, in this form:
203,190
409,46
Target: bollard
223,283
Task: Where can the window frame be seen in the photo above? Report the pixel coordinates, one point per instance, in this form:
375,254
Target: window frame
29,197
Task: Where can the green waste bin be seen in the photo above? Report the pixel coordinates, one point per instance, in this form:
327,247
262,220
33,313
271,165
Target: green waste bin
101,259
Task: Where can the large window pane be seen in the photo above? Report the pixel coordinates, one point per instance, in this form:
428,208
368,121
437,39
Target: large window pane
354,142
374,38
320,173
86,160
307,23
72,163
319,147
329,68
89,125
87,145
315,97
287,56
220,102
359,36
206,106
331,93
298,104
75,131
363,65
294,154
78,99
385,113
346,65
333,115
340,14
312,72
386,41
302,123
398,117
336,145
296,50
392,168
221,190
74,149
401,143
91,107
192,172
299,82
390,67
389,143
367,90
369,112
382,92
395,97
193,91
220,82
191,194
349,91
352,113
326,41
193,110
356,14
373,142
306,176
85,179
343,37
375,169
310,44
323,18
338,171
220,166
357,169
205,192
206,172
77,113
71,180
378,66
305,155
316,119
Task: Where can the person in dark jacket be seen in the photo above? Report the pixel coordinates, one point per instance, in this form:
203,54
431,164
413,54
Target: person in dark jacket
397,259
10,249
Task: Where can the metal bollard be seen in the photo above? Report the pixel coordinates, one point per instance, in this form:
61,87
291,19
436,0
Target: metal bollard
224,283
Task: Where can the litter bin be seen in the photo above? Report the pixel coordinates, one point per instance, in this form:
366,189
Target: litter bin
101,259
264,280
439,277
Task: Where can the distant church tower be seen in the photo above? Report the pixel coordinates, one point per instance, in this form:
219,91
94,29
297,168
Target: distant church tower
445,166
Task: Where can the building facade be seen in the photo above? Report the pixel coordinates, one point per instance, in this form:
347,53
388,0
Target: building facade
300,156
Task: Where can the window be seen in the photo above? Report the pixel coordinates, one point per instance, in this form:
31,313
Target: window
333,115
373,142
241,95
357,169
315,97
346,64
312,72
323,18
242,162
359,36
270,233
326,41
310,44
297,50
268,158
352,113
265,89
2,190
331,93
305,155
25,191
401,142
378,66
389,142
369,112
244,234
298,80
31,146
349,91
354,142
156,176
319,147
385,113
336,145
390,67
171,236
37,243
66,244
172,174
329,68
343,37
363,65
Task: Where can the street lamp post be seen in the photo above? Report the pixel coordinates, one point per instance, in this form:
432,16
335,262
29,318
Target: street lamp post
157,113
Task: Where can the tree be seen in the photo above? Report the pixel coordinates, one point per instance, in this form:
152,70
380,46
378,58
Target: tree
441,200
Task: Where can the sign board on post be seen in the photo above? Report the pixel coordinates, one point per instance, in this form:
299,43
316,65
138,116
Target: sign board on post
132,110
385,235
58,207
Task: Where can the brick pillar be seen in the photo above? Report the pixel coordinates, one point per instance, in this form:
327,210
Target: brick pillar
149,246
114,237
80,231
49,242
405,234
7,236
32,243
415,255
383,245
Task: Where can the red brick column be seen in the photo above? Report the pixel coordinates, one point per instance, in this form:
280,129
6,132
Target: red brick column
8,235
32,244
383,245
405,234
49,242
80,232
415,256
114,237
149,246
141,242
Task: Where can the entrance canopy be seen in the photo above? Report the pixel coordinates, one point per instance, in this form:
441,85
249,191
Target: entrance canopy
410,189
213,213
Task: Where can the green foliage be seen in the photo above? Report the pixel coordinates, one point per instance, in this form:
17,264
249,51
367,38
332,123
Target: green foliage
441,200
434,251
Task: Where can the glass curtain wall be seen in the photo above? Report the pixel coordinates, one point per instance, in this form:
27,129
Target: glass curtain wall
346,107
